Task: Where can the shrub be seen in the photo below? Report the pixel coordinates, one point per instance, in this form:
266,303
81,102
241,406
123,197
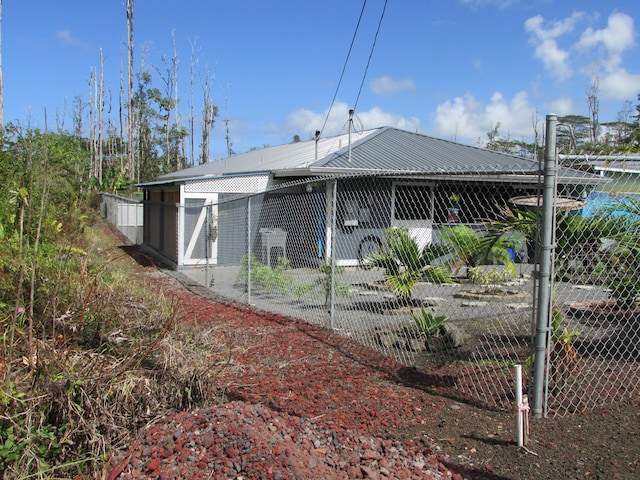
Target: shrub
428,323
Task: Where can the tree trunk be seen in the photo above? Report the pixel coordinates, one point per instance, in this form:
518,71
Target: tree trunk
131,113
1,85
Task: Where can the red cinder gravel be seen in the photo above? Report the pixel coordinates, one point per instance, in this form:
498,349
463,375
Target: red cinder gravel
307,404
304,403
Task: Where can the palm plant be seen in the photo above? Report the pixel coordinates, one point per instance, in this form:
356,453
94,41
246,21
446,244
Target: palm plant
471,249
405,263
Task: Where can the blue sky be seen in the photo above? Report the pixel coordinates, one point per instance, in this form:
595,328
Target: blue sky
452,69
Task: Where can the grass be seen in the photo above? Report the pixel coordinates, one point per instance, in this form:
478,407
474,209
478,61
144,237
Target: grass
109,356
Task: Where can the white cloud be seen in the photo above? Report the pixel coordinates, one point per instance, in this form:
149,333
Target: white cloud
465,119
547,50
386,85
308,121
66,38
620,85
606,46
616,37
561,107
598,52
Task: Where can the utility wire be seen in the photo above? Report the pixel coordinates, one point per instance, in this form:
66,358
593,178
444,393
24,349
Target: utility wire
344,67
373,46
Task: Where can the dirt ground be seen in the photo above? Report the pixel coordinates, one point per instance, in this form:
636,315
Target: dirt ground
305,403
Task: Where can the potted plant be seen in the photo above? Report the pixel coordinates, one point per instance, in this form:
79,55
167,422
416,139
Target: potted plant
453,211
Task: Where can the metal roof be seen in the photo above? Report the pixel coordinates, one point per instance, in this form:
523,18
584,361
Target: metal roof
393,149
381,150
292,155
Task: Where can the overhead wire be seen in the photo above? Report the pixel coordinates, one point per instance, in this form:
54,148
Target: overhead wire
344,67
373,46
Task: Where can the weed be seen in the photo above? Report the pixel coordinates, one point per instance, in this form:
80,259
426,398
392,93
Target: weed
428,323
482,276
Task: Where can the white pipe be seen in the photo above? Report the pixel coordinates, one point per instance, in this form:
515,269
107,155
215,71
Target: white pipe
522,410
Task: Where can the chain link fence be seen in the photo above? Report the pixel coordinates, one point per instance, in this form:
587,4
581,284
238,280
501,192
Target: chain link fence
443,275
594,335
449,290
417,271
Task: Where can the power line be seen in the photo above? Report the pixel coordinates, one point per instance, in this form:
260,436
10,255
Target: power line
344,67
373,46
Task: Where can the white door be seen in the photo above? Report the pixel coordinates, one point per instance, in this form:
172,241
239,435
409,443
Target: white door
412,208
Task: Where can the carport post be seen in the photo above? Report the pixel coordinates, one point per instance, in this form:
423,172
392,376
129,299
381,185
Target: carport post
545,258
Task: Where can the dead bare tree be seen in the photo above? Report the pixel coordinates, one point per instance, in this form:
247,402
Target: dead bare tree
193,63
130,96
92,122
209,114
594,106
78,115
100,118
227,135
179,161
60,116
535,123
120,112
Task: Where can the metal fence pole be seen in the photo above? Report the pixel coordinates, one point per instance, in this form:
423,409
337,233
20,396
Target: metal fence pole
332,258
544,275
207,245
249,250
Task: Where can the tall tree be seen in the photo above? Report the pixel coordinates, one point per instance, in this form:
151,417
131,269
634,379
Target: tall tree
192,65
1,81
100,118
78,115
574,133
593,100
120,110
227,135
209,114
130,93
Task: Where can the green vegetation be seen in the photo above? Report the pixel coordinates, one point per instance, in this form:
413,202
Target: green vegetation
480,276
428,323
619,222
270,280
87,354
471,249
276,280
405,263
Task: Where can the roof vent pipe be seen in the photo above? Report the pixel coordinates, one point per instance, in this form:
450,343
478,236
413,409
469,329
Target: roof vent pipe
317,140
350,124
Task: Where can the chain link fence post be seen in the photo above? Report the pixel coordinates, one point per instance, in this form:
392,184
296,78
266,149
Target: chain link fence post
249,250
544,271
332,252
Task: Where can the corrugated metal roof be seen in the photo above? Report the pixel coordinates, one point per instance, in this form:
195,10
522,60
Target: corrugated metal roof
292,155
384,149
392,149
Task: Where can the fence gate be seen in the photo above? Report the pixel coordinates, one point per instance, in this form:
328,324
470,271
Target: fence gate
592,344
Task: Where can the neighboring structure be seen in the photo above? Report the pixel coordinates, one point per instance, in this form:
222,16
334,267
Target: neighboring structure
378,178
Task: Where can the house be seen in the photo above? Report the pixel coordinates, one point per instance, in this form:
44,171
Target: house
310,200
